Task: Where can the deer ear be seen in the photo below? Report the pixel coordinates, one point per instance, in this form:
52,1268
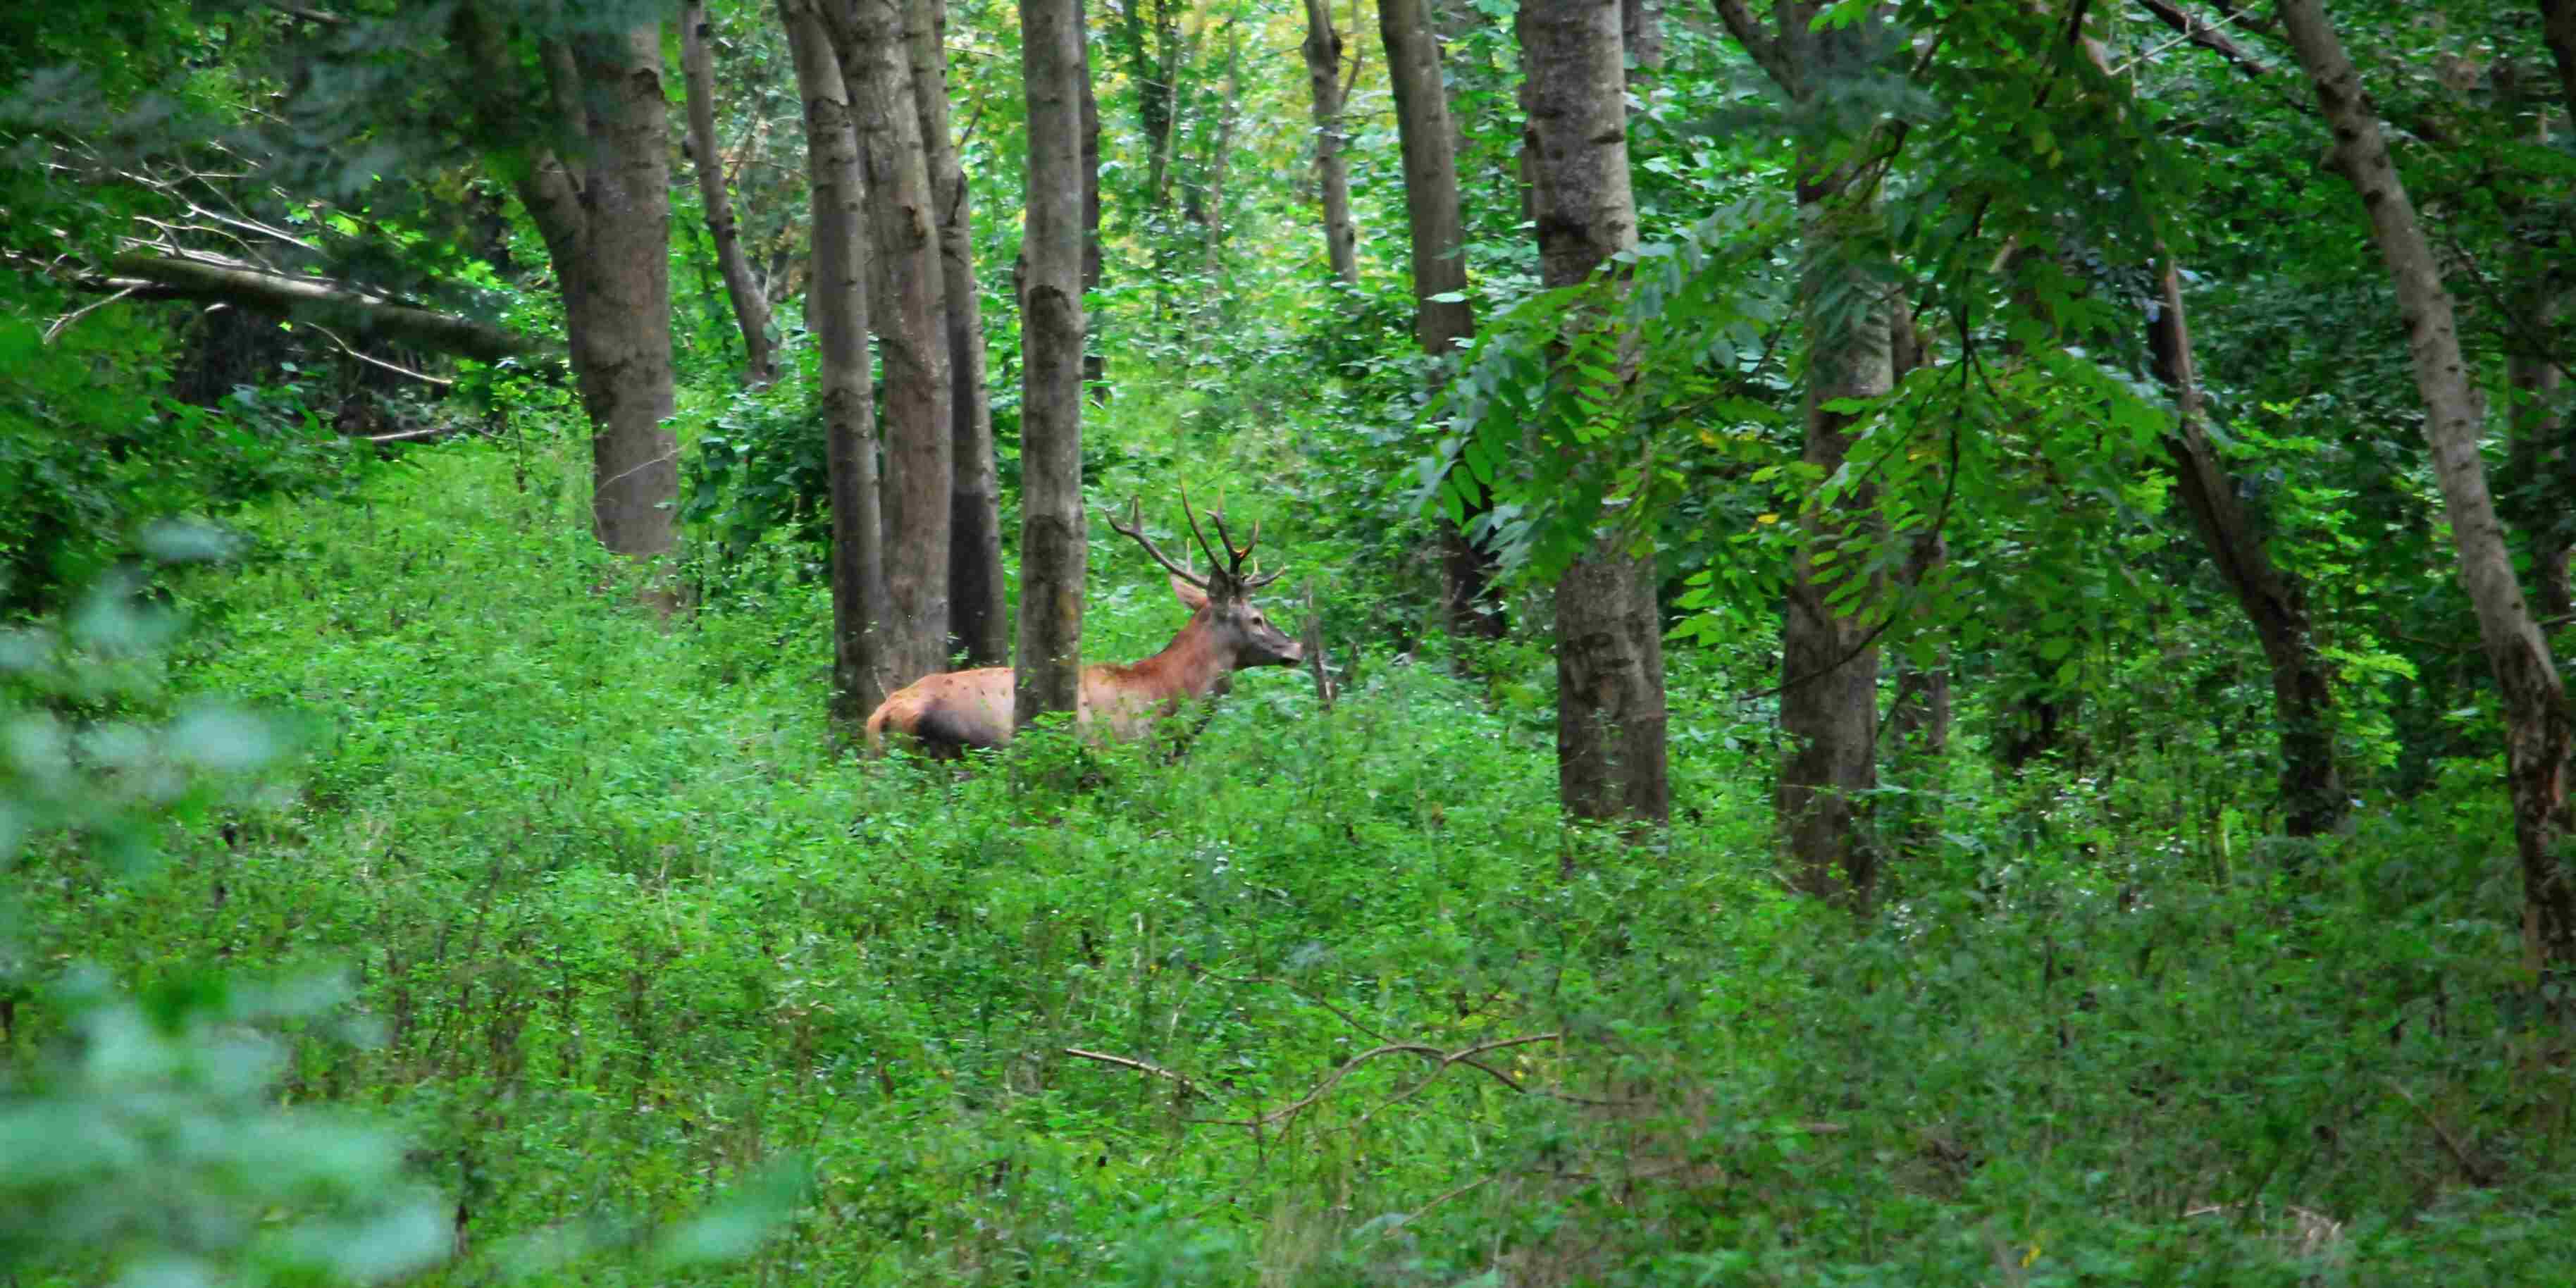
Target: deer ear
1192,598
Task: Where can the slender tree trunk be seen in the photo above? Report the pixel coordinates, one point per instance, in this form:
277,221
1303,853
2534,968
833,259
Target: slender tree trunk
1829,666
2537,722
1049,675
2540,471
911,320
1610,724
2542,461
979,618
750,306
1149,35
1442,325
621,341
1918,717
2275,600
2558,30
1323,50
836,306
1220,151
1095,364
1641,30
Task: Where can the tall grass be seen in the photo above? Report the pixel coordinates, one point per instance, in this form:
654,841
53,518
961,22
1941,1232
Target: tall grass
1331,1000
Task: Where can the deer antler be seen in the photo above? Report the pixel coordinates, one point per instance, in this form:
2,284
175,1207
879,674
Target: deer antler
1192,516
1235,556
1134,528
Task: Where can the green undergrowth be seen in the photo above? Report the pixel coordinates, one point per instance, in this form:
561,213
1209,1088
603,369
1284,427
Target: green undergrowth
1331,1000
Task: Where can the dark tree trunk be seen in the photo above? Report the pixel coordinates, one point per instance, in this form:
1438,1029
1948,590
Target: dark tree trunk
605,217
1610,723
1829,666
2538,729
1641,30
979,618
2558,30
1918,716
836,306
1148,35
621,340
2275,600
1323,50
1470,605
1211,199
2541,467
911,323
750,306
1095,364
1052,535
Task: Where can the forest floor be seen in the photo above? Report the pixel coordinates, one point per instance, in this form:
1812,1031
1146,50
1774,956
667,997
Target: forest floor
1332,1000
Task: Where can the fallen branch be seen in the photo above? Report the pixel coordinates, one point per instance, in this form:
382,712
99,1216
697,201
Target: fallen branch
311,299
64,323
424,377
1416,1214
1187,1087
2470,1165
1442,1059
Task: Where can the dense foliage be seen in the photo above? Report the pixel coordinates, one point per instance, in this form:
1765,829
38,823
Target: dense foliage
384,894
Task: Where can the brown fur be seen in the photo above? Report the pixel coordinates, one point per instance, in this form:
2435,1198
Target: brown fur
946,713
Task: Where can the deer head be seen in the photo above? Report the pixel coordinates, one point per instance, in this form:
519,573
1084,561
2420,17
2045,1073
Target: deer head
1221,598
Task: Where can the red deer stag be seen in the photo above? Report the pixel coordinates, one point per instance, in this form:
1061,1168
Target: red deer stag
947,713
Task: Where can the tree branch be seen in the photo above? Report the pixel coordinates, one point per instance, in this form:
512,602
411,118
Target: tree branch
1765,49
2206,35
309,299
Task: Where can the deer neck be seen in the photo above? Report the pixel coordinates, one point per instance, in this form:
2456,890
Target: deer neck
1194,663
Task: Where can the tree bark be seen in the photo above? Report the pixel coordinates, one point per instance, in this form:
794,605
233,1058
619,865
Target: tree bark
2542,460
2537,722
1442,326
979,617
1610,724
2558,30
911,323
1052,528
1323,50
605,217
1150,33
2275,600
836,306
1219,153
1918,717
621,338
1641,31
1095,364
750,306
1828,664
